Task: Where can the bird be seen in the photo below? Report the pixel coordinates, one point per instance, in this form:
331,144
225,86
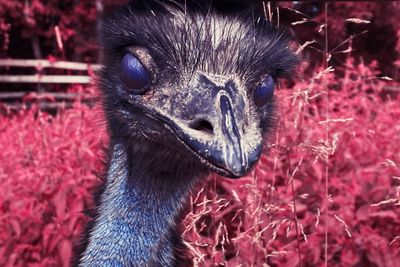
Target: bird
187,89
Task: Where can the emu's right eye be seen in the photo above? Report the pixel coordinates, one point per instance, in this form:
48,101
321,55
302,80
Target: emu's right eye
133,74
264,92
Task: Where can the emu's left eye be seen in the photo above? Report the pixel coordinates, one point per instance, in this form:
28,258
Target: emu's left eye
133,74
264,92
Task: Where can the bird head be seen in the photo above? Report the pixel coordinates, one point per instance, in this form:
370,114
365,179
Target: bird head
197,81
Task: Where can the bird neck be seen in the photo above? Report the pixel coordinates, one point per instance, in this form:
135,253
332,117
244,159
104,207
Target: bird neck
136,214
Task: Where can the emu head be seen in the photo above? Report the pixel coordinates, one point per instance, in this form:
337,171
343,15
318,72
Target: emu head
198,82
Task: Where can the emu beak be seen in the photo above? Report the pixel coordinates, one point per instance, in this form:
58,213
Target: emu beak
221,142
219,133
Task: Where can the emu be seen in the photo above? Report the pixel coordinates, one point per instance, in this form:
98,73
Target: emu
187,89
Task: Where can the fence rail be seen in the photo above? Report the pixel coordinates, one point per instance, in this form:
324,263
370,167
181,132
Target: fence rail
20,95
42,64
14,100
65,79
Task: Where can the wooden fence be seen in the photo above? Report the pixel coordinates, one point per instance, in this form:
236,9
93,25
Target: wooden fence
61,99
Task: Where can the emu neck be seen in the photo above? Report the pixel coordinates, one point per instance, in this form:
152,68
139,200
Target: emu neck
137,212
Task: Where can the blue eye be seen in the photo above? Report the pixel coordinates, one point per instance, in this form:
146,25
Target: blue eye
133,73
264,92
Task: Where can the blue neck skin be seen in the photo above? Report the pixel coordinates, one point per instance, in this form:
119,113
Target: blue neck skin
137,215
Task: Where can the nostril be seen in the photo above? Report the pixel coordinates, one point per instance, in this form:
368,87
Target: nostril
202,125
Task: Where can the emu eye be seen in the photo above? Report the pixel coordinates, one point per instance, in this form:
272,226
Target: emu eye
133,74
264,92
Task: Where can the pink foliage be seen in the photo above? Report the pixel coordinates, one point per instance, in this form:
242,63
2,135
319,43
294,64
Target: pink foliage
48,164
